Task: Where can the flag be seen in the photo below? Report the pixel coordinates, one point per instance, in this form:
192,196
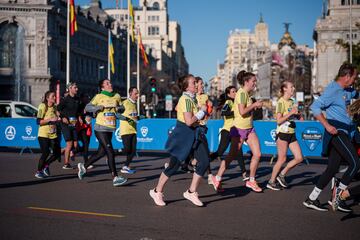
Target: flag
73,24
111,55
142,49
132,20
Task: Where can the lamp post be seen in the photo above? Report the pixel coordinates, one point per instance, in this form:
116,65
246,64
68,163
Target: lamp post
100,68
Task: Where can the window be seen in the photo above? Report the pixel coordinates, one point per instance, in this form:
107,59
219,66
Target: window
29,56
138,18
5,111
25,111
156,6
7,44
153,30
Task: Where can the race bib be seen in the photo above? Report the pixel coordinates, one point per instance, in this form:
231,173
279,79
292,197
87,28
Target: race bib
52,129
88,119
109,119
284,127
72,121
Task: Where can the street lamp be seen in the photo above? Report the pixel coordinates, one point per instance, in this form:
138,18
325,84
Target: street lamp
100,68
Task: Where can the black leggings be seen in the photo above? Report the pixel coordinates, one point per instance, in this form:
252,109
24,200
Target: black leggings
45,145
223,145
129,142
105,148
341,148
85,140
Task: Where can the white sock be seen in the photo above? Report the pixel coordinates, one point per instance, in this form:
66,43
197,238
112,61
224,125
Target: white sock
342,186
315,194
218,178
252,179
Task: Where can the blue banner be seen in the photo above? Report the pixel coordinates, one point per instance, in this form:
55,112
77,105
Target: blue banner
153,133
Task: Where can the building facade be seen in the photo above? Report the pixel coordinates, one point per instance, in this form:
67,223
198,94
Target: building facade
33,49
332,38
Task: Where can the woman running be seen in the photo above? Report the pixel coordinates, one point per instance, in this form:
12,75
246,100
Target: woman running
185,138
226,104
243,130
105,105
286,112
47,135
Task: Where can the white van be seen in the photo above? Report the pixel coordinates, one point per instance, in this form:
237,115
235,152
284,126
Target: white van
14,109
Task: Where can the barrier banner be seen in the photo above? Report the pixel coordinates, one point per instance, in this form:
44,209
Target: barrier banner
153,133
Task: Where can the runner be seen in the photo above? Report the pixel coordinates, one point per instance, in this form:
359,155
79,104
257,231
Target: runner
286,112
47,136
128,122
226,104
337,142
70,115
104,105
183,139
243,130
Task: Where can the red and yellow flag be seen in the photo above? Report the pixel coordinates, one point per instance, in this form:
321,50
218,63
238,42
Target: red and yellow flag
142,49
73,24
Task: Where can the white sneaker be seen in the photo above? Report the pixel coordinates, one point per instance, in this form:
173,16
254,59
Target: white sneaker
157,197
210,181
193,197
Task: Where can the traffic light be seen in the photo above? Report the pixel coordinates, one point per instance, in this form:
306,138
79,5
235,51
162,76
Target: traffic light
153,85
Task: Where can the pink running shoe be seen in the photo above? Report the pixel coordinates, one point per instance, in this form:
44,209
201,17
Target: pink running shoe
157,197
193,197
216,184
254,186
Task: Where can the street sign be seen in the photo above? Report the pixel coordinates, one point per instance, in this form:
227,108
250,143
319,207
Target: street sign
168,103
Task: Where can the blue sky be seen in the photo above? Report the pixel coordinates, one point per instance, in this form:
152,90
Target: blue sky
206,24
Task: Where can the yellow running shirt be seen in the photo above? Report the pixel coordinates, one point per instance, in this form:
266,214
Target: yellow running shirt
127,127
228,120
185,104
242,97
284,107
202,100
47,131
107,117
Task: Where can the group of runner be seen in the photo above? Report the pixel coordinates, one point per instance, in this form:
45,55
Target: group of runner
188,144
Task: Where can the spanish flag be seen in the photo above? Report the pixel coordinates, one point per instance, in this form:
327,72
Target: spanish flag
142,49
132,20
111,55
73,24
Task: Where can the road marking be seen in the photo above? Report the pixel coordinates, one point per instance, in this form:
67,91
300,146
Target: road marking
77,212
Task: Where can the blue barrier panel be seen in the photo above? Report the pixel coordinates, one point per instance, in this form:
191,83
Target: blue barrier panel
153,133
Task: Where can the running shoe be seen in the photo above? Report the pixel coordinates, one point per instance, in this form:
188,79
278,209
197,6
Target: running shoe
245,177
335,199
193,197
91,166
67,166
314,205
46,171
273,186
82,170
216,184
253,186
40,174
343,207
157,197
119,180
210,182
282,181
126,169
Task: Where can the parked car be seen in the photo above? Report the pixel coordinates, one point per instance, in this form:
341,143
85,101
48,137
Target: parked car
14,109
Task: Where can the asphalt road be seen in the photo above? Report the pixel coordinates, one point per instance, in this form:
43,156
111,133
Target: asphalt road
63,207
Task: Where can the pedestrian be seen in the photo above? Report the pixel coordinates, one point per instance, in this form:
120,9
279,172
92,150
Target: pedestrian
105,106
185,137
84,128
128,133
337,143
243,130
70,115
47,134
226,104
286,113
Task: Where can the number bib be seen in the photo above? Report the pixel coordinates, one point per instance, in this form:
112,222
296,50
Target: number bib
109,119
72,121
52,129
